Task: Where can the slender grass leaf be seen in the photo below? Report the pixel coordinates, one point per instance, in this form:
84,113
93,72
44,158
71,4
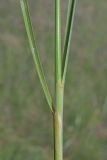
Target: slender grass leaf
68,34
58,57
34,49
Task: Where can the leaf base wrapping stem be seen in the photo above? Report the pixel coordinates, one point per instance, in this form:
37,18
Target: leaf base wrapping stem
58,123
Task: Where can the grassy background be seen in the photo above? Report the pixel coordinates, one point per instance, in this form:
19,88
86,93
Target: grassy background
25,120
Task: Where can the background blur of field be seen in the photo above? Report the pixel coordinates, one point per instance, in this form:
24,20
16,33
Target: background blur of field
25,120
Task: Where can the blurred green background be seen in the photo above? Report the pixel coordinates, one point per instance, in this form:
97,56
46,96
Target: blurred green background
25,119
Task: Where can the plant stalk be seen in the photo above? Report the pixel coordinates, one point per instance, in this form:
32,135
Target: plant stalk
58,123
58,112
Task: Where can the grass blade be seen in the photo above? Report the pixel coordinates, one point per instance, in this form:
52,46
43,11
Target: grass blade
58,57
68,34
34,50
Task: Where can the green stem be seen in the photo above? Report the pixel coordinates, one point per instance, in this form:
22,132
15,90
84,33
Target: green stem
58,123
58,113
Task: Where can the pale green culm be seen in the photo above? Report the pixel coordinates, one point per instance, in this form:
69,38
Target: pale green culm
61,61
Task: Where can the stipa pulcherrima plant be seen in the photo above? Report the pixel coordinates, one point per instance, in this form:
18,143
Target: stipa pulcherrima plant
61,61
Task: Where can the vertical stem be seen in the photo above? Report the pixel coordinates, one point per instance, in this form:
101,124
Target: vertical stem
58,123
58,113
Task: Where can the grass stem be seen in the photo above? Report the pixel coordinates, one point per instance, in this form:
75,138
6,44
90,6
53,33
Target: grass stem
58,115
60,67
58,123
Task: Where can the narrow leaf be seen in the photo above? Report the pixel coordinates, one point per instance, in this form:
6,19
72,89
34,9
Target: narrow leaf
34,50
68,34
58,57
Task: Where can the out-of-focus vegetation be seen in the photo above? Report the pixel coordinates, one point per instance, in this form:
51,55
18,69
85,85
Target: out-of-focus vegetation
23,134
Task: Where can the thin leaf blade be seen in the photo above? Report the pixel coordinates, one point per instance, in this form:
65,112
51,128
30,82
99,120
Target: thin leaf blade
68,35
34,50
58,56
